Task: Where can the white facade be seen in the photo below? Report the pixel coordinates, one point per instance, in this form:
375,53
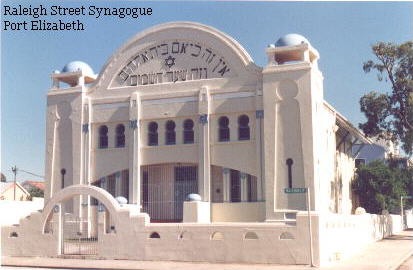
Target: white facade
181,108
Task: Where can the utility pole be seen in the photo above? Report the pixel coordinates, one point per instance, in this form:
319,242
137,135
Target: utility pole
14,170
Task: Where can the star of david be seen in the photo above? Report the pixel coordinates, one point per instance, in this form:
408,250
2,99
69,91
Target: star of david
170,61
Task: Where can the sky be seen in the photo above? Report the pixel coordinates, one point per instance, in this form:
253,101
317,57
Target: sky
342,32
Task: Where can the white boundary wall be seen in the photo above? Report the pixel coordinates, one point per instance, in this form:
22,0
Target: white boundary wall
13,211
344,235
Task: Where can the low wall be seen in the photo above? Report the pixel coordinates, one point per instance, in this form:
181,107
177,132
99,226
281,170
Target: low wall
135,238
13,211
238,212
343,235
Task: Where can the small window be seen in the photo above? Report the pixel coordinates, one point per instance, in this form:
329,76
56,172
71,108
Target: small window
155,235
250,236
153,133
120,136
14,234
188,131
360,162
243,128
223,133
217,236
286,236
103,137
170,136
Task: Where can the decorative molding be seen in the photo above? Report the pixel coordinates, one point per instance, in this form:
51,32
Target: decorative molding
85,128
133,124
169,100
111,105
203,119
259,114
233,95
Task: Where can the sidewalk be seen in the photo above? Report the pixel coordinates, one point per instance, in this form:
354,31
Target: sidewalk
387,254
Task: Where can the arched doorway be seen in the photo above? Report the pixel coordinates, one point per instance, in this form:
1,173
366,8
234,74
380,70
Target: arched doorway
78,228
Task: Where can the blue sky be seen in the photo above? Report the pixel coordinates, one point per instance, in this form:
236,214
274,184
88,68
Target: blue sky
342,33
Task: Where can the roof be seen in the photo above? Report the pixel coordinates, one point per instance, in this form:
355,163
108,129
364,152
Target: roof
343,123
4,186
38,184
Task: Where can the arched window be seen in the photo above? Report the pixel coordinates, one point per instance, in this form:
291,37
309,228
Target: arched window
170,137
103,137
153,133
120,135
243,128
188,131
223,133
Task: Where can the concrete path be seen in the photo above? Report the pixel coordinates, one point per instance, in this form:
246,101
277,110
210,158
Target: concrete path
387,254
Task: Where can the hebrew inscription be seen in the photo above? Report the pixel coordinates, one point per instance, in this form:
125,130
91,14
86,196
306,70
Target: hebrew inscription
173,61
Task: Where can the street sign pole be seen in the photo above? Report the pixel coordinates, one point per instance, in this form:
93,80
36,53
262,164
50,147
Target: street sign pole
401,210
309,227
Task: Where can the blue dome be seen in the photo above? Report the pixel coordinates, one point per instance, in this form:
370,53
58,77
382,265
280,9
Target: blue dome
291,40
76,66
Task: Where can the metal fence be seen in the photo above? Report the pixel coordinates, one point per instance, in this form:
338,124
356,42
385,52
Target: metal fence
77,236
165,188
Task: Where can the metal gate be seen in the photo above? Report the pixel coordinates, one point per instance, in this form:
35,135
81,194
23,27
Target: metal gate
77,236
164,189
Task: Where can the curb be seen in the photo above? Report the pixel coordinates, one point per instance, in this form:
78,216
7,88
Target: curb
404,258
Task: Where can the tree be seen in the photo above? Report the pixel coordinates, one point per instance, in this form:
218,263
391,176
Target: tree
380,185
36,192
390,115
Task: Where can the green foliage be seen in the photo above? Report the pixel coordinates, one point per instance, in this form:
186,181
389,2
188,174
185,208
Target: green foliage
36,192
379,186
390,115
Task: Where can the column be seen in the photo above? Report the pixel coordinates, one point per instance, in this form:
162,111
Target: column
134,151
260,153
244,187
226,185
204,167
118,184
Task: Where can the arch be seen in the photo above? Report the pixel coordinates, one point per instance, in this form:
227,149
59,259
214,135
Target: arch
188,132
286,236
153,133
217,236
103,137
170,135
250,236
120,136
238,59
243,127
223,129
100,194
14,234
154,235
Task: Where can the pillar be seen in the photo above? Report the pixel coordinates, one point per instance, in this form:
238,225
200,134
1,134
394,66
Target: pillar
204,167
226,185
259,114
134,145
244,187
